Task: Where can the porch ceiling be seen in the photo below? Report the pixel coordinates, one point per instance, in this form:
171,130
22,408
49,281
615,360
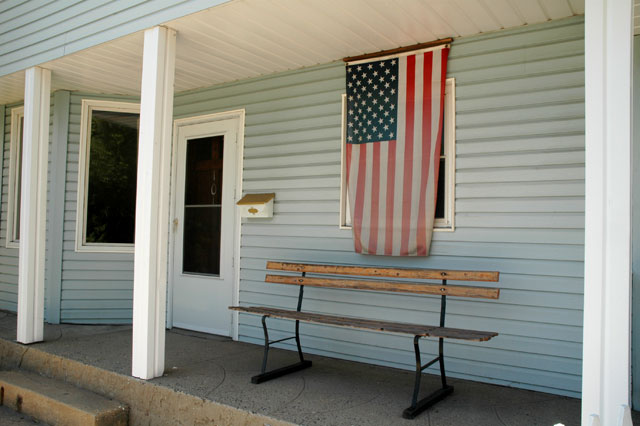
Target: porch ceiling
247,38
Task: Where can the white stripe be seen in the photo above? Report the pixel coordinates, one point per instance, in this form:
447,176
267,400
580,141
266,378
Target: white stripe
430,204
400,144
366,211
416,177
353,179
382,200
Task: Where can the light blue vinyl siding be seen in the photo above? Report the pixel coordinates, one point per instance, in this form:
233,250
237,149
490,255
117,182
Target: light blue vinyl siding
37,31
519,207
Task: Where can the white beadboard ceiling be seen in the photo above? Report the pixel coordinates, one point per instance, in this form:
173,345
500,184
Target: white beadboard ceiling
247,38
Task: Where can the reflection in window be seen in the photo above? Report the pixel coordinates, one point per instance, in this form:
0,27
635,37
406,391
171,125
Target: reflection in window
112,175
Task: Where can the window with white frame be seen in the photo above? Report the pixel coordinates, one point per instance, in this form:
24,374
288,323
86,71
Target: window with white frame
445,204
107,176
15,177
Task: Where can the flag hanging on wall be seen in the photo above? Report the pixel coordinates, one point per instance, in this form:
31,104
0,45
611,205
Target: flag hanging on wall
394,131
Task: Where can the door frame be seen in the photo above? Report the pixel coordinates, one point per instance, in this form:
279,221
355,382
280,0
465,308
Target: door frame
239,115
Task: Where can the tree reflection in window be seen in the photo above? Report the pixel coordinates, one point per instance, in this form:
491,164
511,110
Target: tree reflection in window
111,190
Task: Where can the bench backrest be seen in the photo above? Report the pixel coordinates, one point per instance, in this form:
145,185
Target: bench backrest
392,286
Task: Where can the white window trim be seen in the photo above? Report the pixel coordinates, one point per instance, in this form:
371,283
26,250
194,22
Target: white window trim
446,224
14,149
88,106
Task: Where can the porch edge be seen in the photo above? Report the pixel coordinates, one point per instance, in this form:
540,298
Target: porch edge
149,403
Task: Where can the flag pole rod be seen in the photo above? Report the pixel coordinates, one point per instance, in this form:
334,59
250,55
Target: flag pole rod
390,52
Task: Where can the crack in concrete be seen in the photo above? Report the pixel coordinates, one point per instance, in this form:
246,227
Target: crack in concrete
224,377
495,411
22,356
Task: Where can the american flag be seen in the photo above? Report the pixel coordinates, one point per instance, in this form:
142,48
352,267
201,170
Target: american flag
394,128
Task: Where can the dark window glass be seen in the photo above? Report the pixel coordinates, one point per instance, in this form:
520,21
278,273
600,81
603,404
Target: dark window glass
111,196
18,189
440,197
203,206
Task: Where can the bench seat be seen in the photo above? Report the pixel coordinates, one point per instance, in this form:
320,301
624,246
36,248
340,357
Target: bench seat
368,324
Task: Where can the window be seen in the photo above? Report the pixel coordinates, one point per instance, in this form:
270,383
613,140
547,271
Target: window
444,217
107,176
15,177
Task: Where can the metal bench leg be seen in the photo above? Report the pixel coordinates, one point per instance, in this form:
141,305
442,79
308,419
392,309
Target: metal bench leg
418,407
268,375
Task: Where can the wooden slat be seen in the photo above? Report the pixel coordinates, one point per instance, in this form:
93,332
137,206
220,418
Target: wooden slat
399,287
369,271
367,324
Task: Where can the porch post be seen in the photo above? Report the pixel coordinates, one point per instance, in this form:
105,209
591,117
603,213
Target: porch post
152,203
607,310
33,207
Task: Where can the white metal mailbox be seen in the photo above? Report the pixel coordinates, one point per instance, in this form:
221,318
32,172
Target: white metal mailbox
256,205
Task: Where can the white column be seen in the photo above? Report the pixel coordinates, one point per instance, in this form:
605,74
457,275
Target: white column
607,314
33,206
152,203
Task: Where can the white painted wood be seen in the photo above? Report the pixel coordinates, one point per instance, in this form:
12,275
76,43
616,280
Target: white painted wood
624,416
606,332
88,106
152,203
201,302
249,38
14,167
33,210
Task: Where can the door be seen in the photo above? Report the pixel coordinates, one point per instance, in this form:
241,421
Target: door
204,223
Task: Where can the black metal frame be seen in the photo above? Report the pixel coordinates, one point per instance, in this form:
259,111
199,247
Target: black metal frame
268,375
418,407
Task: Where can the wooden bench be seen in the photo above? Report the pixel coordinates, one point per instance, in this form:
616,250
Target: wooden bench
417,330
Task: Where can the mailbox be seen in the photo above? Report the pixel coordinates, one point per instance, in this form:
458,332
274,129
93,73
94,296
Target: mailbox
257,205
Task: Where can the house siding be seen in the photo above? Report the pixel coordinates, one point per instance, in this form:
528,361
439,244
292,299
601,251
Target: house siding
37,31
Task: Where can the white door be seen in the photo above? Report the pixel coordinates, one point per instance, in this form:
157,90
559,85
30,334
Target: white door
204,225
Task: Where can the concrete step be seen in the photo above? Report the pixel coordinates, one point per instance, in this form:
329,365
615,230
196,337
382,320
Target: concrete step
59,403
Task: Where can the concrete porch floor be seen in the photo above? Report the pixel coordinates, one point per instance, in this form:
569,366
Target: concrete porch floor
332,392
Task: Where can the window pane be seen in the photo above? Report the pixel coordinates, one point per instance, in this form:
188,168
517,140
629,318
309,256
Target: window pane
111,196
18,189
440,200
203,206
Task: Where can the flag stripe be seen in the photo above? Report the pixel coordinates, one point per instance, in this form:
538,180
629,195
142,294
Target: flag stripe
391,180
365,229
375,193
382,197
399,157
408,156
359,204
419,165
426,139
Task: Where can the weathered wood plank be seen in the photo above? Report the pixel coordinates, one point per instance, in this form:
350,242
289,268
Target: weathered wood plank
367,324
423,274
399,287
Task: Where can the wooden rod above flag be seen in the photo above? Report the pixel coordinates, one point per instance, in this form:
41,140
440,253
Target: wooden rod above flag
399,50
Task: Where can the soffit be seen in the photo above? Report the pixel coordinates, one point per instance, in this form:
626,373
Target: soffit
248,38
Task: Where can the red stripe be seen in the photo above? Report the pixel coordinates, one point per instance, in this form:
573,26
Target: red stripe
426,152
359,207
408,154
391,177
375,199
